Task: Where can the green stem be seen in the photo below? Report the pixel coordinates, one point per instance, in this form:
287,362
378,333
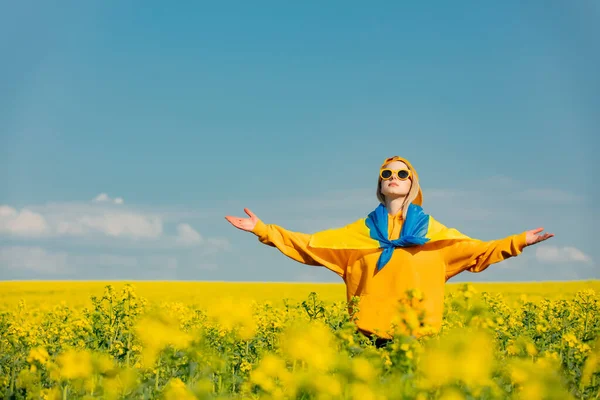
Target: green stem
111,322
128,349
157,374
232,379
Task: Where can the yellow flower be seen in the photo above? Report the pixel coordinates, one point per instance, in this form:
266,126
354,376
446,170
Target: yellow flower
38,354
51,394
75,364
272,365
415,294
327,385
232,314
512,350
460,355
570,339
452,394
177,390
361,391
261,379
532,390
584,348
531,349
314,344
386,360
591,365
245,366
124,381
156,334
518,375
523,298
362,369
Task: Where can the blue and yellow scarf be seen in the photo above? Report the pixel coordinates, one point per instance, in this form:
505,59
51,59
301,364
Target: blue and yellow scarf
372,233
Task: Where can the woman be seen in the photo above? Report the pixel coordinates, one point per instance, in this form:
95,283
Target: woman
396,248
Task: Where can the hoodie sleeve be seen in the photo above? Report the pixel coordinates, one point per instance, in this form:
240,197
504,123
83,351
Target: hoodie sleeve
475,255
295,246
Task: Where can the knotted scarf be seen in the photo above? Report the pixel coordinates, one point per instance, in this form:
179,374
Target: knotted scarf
372,232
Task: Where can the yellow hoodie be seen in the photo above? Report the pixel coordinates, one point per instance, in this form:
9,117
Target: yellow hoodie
418,253
425,267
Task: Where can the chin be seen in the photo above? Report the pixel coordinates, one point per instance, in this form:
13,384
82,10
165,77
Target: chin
395,193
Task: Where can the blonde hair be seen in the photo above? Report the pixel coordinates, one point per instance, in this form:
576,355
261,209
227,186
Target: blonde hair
410,197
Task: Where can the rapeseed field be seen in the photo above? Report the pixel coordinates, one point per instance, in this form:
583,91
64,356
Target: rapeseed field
211,340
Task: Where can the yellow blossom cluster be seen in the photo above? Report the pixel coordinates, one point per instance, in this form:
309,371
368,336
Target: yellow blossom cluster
119,345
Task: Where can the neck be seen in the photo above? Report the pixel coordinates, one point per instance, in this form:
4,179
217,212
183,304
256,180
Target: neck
394,205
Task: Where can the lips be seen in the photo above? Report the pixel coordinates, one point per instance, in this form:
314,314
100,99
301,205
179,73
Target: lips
393,184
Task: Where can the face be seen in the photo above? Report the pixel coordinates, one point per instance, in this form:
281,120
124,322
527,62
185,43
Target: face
395,187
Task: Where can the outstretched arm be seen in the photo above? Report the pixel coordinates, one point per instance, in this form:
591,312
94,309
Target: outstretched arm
292,244
475,255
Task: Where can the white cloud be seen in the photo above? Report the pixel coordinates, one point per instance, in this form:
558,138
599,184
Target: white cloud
118,224
104,198
22,223
187,235
7,212
35,259
103,222
101,197
101,260
93,221
555,254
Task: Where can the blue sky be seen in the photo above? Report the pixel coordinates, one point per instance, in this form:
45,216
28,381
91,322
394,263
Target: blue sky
128,131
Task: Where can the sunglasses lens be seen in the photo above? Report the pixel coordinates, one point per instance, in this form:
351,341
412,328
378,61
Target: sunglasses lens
403,174
386,174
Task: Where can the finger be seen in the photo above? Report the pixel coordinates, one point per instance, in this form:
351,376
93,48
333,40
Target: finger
250,213
537,230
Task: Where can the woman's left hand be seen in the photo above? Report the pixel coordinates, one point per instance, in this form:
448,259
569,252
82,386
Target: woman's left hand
533,237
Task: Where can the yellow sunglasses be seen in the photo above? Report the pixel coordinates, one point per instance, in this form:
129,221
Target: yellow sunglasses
402,174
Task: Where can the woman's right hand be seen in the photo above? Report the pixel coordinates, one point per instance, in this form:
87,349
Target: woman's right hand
245,224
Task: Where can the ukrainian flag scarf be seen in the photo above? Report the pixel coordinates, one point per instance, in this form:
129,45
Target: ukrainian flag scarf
372,233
